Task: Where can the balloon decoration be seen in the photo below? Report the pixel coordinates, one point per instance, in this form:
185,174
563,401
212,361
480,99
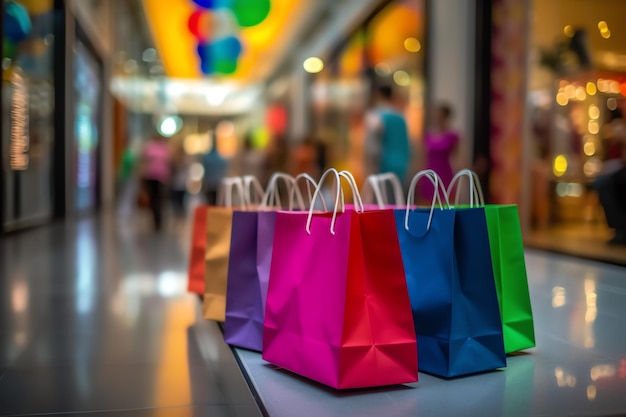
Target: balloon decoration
220,56
250,12
216,24
17,24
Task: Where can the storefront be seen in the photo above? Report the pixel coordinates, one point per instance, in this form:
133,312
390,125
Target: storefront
52,109
576,96
28,94
384,49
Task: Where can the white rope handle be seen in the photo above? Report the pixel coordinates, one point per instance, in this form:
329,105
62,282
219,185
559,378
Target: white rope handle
475,189
358,201
338,198
252,186
374,183
272,195
295,191
439,187
225,191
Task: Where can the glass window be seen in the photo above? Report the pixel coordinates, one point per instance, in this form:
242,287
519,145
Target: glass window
27,111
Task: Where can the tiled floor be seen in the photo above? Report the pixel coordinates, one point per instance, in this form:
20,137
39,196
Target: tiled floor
95,320
577,369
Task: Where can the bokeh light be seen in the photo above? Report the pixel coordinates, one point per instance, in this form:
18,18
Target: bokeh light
591,88
313,65
560,165
402,78
411,44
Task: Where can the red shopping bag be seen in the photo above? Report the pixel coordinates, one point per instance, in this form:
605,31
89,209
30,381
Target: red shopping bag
337,308
195,281
200,232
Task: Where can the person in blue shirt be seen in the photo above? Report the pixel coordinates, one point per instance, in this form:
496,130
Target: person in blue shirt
387,146
215,167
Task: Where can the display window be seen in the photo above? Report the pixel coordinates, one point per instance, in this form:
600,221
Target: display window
27,112
577,133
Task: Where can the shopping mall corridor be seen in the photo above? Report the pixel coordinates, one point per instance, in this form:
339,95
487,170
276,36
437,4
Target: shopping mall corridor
95,321
94,317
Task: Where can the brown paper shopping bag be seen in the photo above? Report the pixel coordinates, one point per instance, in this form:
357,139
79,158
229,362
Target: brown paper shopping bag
217,252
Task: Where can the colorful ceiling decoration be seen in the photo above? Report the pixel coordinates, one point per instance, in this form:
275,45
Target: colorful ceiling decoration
215,37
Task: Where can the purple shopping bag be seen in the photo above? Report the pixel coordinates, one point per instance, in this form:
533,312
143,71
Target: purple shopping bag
265,243
248,269
243,326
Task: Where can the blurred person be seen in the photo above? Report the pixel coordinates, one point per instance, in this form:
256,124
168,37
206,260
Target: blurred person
440,145
387,147
611,184
215,167
179,179
155,175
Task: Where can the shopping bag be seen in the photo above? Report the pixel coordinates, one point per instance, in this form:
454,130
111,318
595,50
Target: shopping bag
338,310
195,281
217,251
509,266
450,280
197,266
266,227
246,291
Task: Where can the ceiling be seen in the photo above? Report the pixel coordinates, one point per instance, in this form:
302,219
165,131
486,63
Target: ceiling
264,45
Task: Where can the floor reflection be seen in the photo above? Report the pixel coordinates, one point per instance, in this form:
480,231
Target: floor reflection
95,317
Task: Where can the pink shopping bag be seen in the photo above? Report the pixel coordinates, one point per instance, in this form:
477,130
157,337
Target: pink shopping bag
337,308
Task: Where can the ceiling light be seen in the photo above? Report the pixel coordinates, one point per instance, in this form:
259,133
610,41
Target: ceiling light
170,125
313,65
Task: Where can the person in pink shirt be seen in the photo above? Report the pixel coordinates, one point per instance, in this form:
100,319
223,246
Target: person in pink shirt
440,145
155,174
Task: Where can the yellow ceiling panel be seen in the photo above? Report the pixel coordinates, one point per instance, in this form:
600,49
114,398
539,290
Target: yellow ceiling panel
176,45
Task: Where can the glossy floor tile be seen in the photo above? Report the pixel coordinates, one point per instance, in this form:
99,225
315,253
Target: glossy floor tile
577,369
94,317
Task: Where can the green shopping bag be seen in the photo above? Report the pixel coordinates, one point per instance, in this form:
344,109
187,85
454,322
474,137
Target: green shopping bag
509,266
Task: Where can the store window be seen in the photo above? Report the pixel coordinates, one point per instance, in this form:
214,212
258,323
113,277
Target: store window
87,87
27,112
578,94
386,49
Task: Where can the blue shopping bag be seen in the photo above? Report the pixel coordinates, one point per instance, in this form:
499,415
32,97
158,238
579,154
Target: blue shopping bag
447,261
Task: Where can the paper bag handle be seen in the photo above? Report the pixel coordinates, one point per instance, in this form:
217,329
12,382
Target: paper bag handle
356,195
295,191
225,191
272,195
253,191
338,196
439,188
373,184
477,197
